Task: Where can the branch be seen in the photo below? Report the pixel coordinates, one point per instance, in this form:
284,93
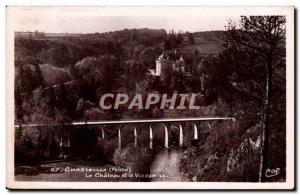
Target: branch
246,92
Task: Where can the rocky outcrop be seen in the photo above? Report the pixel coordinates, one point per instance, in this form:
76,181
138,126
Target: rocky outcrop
238,163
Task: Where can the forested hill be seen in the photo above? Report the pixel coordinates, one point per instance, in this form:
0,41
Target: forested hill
57,53
64,49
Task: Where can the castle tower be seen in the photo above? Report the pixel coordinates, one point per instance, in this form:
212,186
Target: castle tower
163,66
159,63
182,64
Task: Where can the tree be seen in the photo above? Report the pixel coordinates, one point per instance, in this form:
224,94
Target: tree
191,38
96,74
167,45
179,38
39,77
26,79
263,38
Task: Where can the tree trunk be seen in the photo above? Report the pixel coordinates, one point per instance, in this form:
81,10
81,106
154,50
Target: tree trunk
266,122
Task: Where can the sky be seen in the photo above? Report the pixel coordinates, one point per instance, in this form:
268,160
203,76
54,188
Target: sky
92,24
104,20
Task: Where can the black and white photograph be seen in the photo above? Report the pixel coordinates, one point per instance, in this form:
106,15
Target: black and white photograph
150,97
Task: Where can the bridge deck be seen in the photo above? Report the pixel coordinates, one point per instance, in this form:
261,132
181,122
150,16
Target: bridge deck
120,122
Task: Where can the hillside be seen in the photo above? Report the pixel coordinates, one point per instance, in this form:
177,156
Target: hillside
129,46
206,43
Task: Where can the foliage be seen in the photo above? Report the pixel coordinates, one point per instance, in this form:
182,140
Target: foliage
61,79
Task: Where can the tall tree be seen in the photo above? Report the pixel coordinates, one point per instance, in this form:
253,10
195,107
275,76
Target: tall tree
263,38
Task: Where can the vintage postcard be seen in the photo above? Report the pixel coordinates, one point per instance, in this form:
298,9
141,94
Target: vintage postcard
150,97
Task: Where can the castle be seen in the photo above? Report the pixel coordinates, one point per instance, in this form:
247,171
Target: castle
165,64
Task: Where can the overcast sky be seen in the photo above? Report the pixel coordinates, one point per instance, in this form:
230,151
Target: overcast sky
103,20
87,24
